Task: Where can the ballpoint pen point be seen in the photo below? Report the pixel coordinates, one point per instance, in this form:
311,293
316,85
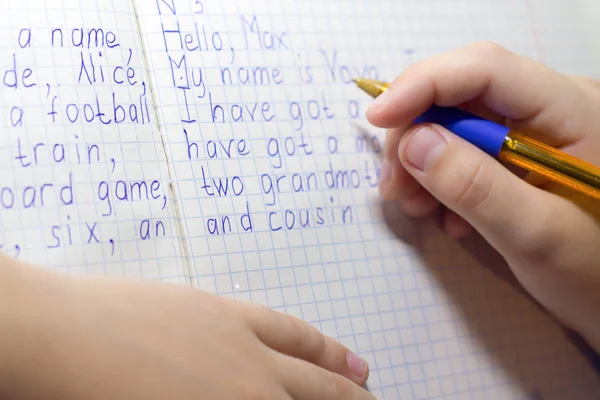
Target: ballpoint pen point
505,144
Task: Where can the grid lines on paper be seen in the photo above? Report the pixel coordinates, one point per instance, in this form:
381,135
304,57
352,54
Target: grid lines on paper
418,315
62,137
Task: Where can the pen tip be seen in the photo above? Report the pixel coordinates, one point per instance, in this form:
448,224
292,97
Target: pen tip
372,87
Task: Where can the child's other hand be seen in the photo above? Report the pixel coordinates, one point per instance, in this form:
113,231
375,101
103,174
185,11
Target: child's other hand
86,339
549,235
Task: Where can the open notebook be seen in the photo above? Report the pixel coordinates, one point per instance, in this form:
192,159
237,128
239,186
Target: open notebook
221,144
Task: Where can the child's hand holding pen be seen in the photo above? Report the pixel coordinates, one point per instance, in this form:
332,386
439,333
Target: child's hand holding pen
548,233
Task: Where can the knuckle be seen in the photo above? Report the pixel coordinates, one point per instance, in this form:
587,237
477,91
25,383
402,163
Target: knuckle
532,250
318,342
321,348
302,333
486,49
311,340
474,187
538,246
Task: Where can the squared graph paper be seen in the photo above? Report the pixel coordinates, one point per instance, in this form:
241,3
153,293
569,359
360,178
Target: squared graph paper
242,165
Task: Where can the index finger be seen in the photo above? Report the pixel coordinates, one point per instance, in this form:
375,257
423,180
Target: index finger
541,100
297,338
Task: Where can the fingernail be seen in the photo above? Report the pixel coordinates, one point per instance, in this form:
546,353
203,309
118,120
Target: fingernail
379,100
425,147
385,173
357,365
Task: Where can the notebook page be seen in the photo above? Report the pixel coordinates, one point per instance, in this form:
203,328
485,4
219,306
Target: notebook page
276,171
85,186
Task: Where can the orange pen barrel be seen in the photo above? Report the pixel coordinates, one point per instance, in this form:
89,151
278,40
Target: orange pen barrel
551,163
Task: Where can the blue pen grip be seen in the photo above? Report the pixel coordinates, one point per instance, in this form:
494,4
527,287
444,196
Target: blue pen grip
486,135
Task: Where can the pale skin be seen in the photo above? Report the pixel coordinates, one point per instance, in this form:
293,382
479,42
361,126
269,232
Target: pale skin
74,338
549,235
85,338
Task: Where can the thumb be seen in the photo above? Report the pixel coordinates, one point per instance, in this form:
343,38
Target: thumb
513,216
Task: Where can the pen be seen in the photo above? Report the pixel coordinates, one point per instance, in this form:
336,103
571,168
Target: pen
507,145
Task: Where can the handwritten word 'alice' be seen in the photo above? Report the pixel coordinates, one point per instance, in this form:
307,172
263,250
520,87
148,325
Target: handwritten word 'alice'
92,71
